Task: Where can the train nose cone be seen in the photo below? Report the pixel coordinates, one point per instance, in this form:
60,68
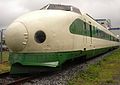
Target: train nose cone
16,36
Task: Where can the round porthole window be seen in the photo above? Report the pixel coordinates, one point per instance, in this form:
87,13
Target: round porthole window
40,36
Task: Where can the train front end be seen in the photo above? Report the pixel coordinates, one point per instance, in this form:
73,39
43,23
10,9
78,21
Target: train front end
37,40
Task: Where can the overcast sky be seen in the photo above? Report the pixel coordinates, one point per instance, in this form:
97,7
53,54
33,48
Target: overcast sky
11,9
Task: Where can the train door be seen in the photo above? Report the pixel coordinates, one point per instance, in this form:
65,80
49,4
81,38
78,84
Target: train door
89,44
90,34
85,37
91,40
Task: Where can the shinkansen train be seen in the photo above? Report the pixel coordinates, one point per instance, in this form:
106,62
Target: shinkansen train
45,39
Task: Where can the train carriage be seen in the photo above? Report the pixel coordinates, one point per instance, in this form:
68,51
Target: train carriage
46,38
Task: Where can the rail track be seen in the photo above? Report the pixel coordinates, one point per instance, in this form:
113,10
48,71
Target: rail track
7,79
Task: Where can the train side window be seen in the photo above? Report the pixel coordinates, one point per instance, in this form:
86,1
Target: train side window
103,35
106,36
93,31
87,29
84,25
84,28
109,37
97,33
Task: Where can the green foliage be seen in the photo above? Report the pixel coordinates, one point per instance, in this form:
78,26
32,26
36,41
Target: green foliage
5,56
4,66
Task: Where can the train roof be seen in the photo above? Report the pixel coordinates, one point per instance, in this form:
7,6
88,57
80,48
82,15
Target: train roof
61,7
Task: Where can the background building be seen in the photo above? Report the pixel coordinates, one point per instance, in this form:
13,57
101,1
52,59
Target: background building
107,24
104,22
116,31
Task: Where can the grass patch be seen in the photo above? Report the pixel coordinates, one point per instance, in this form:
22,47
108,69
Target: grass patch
5,56
4,66
105,72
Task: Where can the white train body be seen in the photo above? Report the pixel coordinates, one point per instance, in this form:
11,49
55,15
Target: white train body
55,23
56,27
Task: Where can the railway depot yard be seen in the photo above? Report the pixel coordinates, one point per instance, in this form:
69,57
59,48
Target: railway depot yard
99,71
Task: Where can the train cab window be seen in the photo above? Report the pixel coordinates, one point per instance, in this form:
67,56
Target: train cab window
61,7
40,37
77,27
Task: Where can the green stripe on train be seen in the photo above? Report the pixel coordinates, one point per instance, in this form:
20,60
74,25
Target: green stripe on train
51,59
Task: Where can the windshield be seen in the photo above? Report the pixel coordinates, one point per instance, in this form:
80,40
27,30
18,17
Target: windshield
62,7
